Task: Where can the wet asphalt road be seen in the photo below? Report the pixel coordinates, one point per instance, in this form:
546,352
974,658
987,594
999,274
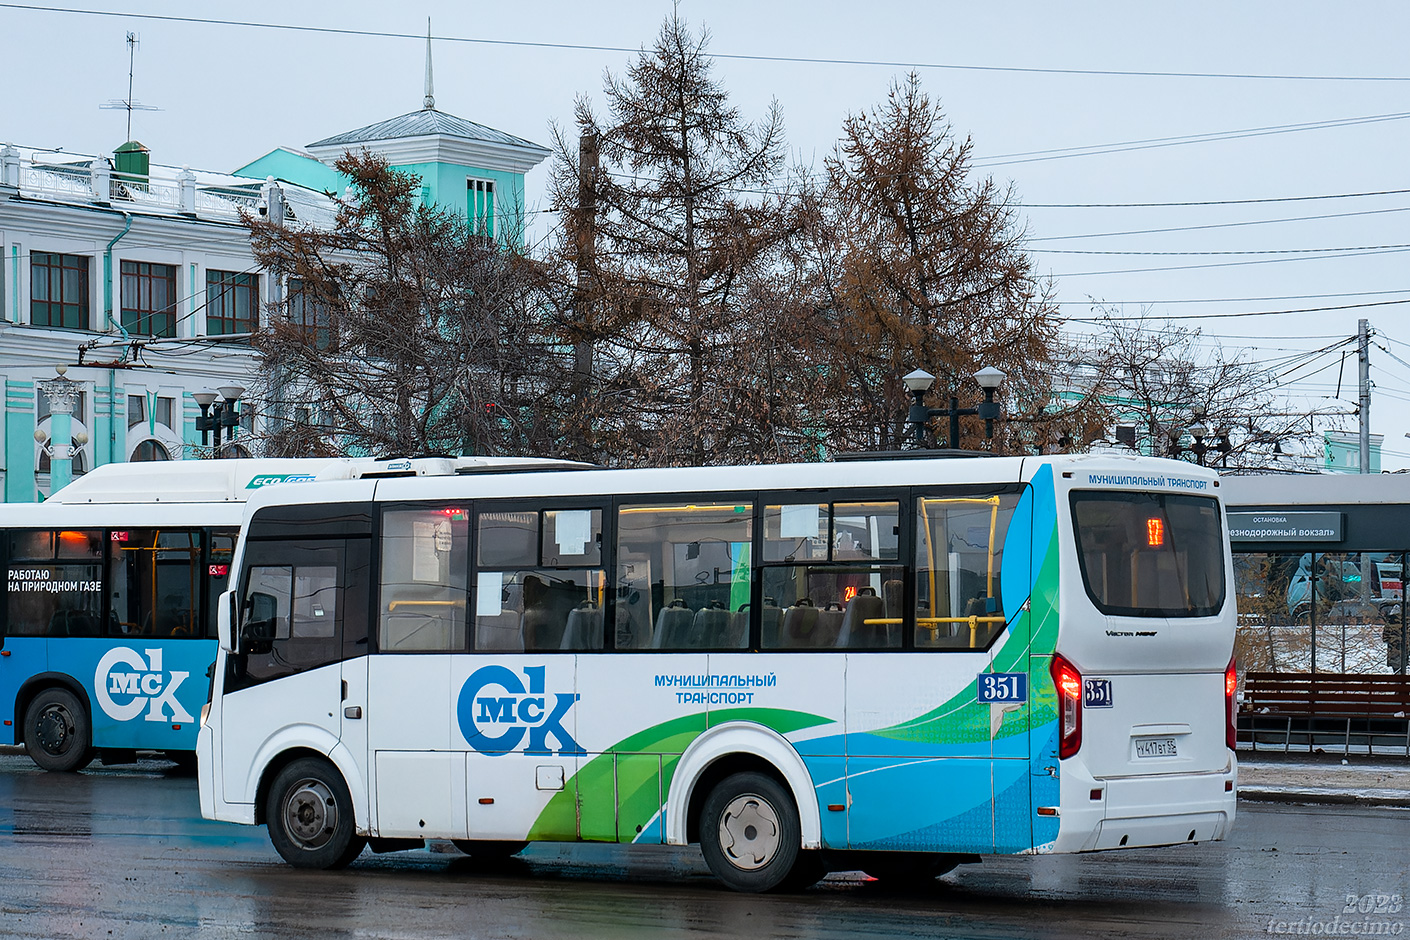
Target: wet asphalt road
122,852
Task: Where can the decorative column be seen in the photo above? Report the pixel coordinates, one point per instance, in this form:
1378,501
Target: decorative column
62,394
187,181
101,180
9,166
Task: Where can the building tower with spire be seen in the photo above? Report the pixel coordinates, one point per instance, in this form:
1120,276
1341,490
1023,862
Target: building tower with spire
466,167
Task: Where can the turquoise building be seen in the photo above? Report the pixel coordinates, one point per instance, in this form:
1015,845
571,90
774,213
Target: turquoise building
137,279
466,167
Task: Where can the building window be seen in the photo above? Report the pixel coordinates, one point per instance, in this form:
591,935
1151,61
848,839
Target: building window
309,314
58,291
232,302
150,450
164,408
136,410
149,298
481,206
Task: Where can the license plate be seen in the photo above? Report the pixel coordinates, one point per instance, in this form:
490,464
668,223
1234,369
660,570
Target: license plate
1156,747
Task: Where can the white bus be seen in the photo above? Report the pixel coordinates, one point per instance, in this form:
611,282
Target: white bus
893,666
106,632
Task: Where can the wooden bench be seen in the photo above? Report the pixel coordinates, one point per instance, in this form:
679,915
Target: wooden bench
1326,710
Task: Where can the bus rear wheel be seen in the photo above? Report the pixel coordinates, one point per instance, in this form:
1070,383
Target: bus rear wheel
310,816
750,834
57,734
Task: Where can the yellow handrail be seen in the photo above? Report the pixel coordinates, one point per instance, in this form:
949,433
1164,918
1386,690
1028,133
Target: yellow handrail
393,605
933,624
993,503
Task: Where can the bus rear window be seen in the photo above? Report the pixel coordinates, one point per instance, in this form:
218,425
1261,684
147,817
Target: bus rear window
1150,554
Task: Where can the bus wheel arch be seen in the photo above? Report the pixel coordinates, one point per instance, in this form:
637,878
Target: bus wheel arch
272,769
308,810
728,749
56,722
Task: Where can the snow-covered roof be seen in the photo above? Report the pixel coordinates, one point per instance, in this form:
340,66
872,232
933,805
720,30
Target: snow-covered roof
68,177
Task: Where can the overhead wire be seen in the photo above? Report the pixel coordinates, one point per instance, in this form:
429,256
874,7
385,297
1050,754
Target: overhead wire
1065,153
1227,264
1217,225
1239,314
807,60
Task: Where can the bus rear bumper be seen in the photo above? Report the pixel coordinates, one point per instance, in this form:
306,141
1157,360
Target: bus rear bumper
1160,809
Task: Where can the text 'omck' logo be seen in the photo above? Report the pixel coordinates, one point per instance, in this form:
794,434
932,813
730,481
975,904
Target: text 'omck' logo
496,710
123,693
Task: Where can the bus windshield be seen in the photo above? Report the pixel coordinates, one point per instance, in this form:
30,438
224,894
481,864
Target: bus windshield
1150,554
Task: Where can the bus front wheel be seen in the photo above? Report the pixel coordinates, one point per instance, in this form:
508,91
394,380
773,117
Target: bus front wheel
310,816
57,734
750,834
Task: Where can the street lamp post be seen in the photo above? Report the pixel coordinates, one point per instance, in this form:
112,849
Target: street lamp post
217,414
919,382
1199,448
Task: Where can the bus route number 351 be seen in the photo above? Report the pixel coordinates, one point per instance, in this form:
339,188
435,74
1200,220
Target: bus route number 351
1003,687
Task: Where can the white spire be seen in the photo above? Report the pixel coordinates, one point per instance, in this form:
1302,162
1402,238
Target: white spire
429,102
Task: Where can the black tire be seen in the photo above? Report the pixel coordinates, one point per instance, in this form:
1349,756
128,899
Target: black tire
908,869
488,850
750,834
309,814
57,732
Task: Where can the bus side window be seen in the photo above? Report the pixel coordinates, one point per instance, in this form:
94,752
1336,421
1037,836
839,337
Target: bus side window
685,574
291,616
155,578
425,564
959,551
55,583
538,584
831,585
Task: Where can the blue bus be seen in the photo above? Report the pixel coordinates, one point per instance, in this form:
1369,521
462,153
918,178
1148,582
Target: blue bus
106,623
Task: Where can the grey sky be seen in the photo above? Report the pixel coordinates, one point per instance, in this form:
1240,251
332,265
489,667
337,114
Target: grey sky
229,94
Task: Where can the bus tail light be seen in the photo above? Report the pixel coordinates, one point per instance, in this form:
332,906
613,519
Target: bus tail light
1068,682
1231,723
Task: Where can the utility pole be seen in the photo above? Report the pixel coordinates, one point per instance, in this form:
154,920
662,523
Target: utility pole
1363,369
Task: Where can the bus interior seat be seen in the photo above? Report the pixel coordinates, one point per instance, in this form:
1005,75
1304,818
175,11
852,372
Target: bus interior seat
584,630
673,626
856,632
737,638
546,609
771,620
711,627
800,623
72,623
501,632
829,625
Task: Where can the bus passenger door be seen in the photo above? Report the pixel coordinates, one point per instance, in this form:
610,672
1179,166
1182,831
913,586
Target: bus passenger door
1009,687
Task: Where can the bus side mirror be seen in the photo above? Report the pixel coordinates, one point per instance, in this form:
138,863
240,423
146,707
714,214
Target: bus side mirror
260,629
225,621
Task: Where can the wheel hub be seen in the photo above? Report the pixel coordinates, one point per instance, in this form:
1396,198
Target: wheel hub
55,729
310,813
749,832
